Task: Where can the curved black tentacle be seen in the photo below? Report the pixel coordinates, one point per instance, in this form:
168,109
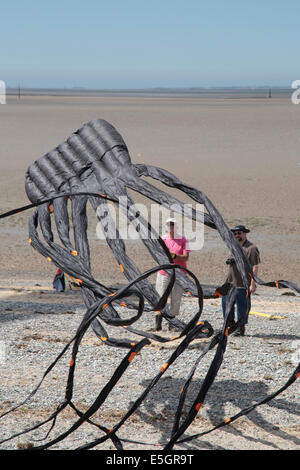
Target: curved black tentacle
94,165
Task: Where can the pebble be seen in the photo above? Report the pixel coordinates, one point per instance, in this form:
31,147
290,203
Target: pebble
254,366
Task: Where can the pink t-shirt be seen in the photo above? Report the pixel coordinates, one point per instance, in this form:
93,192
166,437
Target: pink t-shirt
179,246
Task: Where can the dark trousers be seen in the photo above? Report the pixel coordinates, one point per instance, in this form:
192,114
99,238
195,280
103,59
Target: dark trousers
241,303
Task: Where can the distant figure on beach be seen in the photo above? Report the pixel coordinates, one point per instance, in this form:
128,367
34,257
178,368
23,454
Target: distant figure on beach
59,282
178,246
234,278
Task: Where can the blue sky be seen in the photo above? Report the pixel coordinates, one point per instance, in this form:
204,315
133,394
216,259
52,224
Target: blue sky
149,43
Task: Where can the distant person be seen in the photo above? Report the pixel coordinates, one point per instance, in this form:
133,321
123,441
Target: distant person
234,277
59,283
179,248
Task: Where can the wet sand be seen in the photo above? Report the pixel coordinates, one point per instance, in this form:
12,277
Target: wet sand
243,153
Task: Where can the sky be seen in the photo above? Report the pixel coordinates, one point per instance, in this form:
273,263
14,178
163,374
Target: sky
127,44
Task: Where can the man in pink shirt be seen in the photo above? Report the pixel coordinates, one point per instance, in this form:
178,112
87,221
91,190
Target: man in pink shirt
179,248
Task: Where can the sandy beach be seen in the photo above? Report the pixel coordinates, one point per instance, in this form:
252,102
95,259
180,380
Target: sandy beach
242,153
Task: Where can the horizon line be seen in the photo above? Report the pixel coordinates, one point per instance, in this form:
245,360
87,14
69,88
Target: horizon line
84,88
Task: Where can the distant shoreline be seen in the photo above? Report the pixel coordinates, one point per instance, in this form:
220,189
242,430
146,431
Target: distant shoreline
222,92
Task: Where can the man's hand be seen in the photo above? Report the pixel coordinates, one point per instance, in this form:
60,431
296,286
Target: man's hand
252,287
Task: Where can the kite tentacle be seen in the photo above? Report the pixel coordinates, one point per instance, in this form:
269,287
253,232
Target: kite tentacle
94,163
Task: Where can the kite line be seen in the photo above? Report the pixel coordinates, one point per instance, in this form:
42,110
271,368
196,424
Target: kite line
93,166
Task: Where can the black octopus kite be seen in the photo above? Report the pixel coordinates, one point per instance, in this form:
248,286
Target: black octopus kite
93,165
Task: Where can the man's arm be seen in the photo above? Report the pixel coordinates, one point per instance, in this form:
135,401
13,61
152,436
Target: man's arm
183,257
254,258
252,283
186,251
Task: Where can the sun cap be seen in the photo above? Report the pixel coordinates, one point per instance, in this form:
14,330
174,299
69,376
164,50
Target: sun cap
171,221
240,228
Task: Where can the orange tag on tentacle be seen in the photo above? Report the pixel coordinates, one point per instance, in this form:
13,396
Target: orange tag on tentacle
132,356
198,406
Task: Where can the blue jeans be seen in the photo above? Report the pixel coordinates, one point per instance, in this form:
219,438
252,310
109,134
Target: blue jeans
241,302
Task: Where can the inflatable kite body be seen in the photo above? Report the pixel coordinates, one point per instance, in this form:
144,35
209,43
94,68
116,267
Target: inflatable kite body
93,166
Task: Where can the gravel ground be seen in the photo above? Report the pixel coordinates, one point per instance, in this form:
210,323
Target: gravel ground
36,323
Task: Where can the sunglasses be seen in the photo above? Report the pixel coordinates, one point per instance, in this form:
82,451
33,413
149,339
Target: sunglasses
238,233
